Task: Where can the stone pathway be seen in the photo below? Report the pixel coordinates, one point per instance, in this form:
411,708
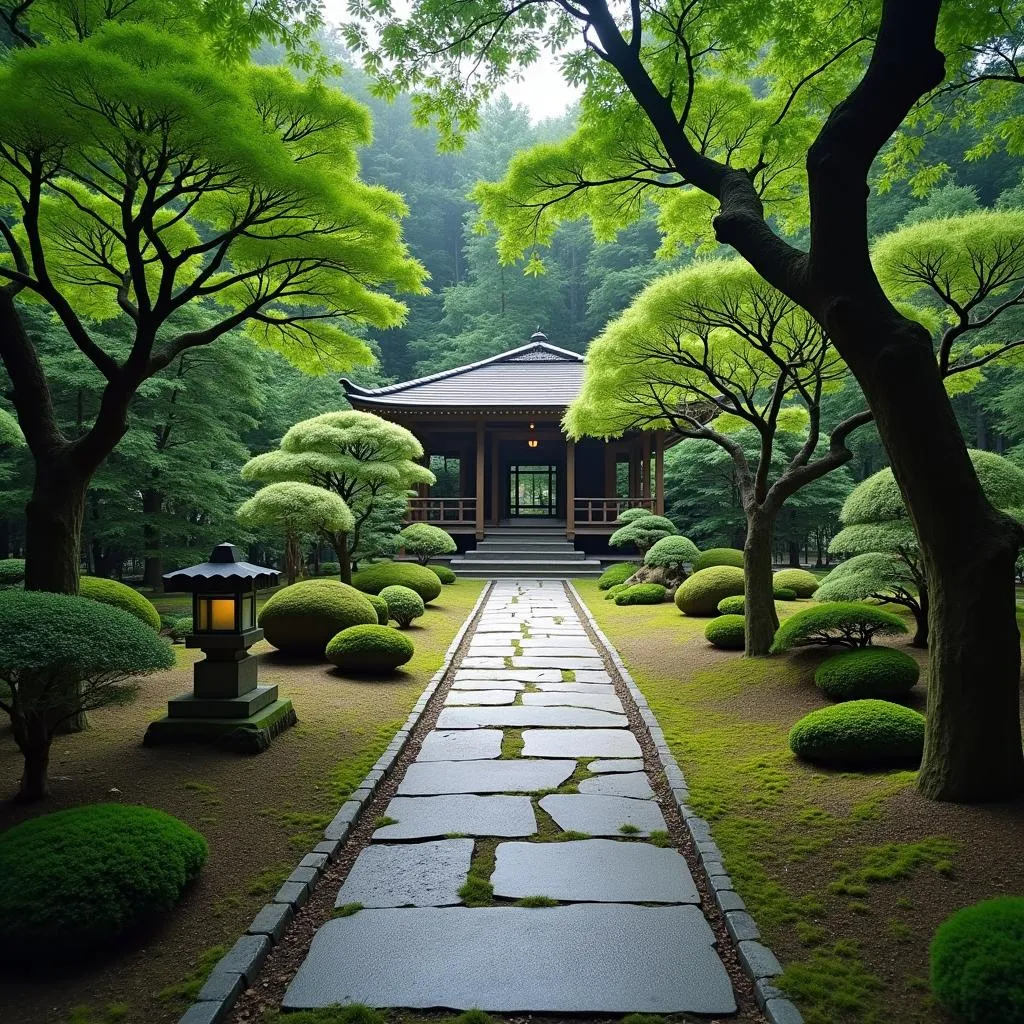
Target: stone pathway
531,786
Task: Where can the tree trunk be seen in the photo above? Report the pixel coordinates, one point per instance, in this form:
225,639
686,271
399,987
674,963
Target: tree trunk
153,571
53,526
794,554
921,617
761,620
341,549
33,739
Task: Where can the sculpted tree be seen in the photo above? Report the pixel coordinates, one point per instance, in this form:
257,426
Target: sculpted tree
669,111
703,352
365,460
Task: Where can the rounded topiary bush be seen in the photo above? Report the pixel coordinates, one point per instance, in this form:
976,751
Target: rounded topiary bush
380,606
302,618
726,632
719,556
369,649
120,596
399,574
784,593
12,572
802,582
329,568
641,593
182,628
849,624
977,962
671,551
867,672
612,592
443,573
732,605
423,542
700,594
631,515
860,733
82,877
404,604
616,574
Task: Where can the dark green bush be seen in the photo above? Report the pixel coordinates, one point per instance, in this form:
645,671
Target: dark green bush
784,594
302,618
977,962
719,556
847,624
867,672
861,734
380,606
732,605
82,877
641,593
399,574
727,632
12,572
616,574
182,628
404,604
443,573
330,569
369,649
700,594
120,596
802,582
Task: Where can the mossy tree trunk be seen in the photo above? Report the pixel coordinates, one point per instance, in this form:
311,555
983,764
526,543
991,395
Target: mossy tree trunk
921,618
33,735
760,618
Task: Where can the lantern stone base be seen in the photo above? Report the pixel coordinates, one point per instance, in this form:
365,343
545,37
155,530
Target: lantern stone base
199,705
249,734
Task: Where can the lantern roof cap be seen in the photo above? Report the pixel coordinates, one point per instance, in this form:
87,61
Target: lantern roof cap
224,571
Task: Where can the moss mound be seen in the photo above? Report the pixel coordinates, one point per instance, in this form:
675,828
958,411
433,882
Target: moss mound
859,734
12,572
302,618
784,593
120,596
849,624
719,556
443,573
82,877
727,632
404,604
700,594
399,574
732,605
616,574
671,551
868,672
977,962
641,593
380,606
802,582
612,592
369,649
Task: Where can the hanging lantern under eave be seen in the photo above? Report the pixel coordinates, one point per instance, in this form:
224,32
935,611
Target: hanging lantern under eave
533,442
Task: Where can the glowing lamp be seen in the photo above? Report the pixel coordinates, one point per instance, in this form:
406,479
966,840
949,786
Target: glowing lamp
533,442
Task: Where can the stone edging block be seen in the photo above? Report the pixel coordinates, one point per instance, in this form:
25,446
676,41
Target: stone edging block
238,968
757,959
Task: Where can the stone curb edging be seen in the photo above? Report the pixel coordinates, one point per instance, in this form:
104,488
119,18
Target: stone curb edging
239,967
757,959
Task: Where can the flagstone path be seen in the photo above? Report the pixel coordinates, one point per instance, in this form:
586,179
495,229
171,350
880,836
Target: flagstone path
532,743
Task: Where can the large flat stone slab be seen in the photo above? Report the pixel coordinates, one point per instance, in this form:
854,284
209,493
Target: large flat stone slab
553,649
593,870
460,745
424,817
490,684
634,784
589,675
589,958
411,874
603,815
576,687
433,778
580,743
557,661
477,697
626,764
522,675
515,717
573,699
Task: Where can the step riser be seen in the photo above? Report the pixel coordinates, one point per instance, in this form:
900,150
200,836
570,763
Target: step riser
532,574
527,568
526,556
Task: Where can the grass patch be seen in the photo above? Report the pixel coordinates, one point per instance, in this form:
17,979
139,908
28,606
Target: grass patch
536,901
383,820
628,830
186,990
512,743
833,984
347,910
477,890
659,837
568,675
113,1013
266,883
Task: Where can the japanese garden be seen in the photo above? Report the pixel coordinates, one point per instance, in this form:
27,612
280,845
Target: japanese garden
511,511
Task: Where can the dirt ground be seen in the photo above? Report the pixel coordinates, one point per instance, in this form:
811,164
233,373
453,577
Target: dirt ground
260,814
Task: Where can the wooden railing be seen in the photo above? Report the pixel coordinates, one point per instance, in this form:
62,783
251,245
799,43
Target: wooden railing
453,511
604,511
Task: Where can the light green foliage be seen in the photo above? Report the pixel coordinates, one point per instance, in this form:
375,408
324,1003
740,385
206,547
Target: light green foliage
642,532
12,572
616,574
119,595
444,574
371,648
672,551
977,962
404,604
404,574
859,733
700,594
79,878
847,624
182,628
872,574
641,593
719,556
423,542
612,592
881,672
631,515
10,433
727,631
302,618
732,605
380,606
801,581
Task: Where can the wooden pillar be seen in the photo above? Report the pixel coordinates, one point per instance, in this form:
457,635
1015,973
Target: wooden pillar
609,471
495,481
645,466
634,470
659,473
570,489
480,443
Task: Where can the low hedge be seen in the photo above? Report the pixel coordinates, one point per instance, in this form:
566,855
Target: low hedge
784,594
616,574
881,672
443,573
82,877
801,581
374,579
641,593
860,734
727,632
848,624
612,592
719,556
120,596
12,572
380,606
977,962
700,594
404,604
732,605
302,618
369,649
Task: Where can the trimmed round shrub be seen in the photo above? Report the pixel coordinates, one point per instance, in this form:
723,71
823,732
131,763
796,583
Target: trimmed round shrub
182,628
82,877
732,605
801,581
700,594
977,962
329,568
120,596
783,593
719,556
671,551
369,649
727,632
616,574
612,592
380,606
423,542
404,604
867,672
848,624
641,593
643,532
630,515
443,573
12,572
860,734
374,579
302,618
